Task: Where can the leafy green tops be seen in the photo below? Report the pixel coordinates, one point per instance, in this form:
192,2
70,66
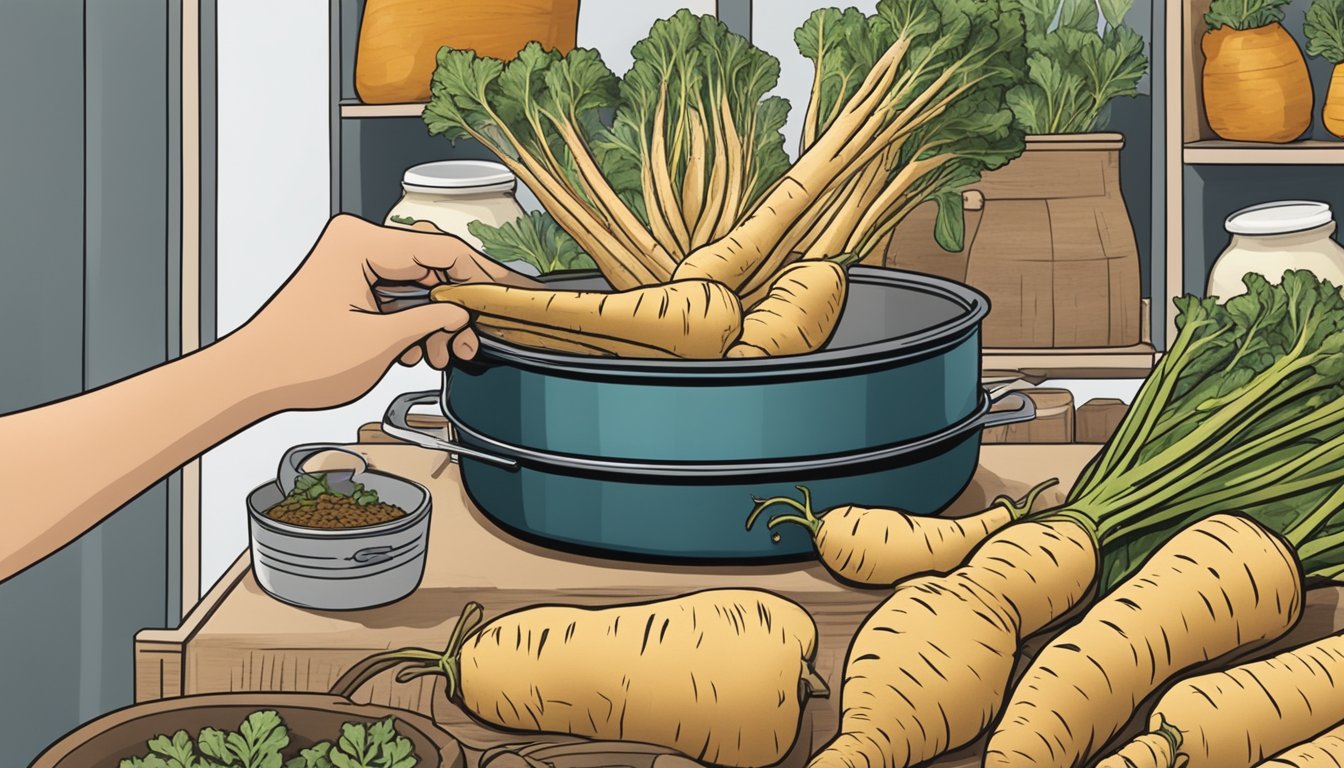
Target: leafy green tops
1078,63
1324,29
1244,14
262,739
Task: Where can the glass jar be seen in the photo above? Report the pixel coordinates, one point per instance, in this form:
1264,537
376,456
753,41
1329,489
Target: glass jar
450,194
1272,238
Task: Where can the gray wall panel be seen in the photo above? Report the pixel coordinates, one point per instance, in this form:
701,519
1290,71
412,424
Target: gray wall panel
126,324
87,284
41,237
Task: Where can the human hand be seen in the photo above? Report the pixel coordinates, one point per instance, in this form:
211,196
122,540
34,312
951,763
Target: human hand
322,340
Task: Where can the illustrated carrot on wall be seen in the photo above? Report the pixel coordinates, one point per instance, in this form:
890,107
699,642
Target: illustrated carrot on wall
877,546
719,675
1221,584
693,319
1246,409
1242,716
798,315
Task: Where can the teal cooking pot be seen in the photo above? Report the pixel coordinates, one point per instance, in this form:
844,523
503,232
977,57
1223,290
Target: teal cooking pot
660,458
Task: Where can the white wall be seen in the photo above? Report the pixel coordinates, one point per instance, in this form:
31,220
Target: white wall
273,197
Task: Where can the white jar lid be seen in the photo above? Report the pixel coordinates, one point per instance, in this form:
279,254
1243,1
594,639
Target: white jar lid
1279,218
462,176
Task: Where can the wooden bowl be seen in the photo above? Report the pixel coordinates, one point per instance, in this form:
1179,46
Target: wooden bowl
310,718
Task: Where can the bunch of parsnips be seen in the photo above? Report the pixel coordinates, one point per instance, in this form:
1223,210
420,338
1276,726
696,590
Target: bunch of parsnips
674,179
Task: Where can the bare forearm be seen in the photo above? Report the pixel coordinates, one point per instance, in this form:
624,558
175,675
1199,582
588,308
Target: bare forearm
70,464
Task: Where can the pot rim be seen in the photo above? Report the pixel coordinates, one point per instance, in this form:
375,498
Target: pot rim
413,517
960,429
922,343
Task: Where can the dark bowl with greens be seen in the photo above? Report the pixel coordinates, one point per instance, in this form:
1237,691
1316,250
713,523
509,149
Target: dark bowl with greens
302,555
247,730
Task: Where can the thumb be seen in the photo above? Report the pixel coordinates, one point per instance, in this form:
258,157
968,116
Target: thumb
409,326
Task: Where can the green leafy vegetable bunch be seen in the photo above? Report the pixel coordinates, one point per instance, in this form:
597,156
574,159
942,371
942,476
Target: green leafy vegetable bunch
309,488
1245,411
1080,60
1324,29
684,154
1244,14
262,739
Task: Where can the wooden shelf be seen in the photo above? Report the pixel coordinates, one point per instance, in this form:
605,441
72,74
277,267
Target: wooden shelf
1217,152
1081,363
351,109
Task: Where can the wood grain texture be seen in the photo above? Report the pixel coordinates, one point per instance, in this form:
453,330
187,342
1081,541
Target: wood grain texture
247,641
1097,419
239,639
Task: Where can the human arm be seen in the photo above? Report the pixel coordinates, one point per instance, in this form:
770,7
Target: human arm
319,342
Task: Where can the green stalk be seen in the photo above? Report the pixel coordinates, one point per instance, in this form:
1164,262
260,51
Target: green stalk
1187,451
1216,457
1152,397
1279,484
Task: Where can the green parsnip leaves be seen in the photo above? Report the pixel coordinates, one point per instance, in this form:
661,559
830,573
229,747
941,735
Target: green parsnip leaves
536,239
1244,14
1074,70
1324,29
1245,412
843,48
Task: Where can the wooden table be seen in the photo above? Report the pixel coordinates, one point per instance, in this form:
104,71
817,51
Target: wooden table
240,639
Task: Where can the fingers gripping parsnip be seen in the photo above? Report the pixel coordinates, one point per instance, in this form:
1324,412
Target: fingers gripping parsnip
329,300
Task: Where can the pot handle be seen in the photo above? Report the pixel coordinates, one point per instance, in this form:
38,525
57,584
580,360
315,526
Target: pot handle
394,424
1025,410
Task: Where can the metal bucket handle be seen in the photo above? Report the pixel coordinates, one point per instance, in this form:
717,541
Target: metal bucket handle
394,424
291,465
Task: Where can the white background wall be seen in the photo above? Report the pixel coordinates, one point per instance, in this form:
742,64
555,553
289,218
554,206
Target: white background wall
273,194
273,202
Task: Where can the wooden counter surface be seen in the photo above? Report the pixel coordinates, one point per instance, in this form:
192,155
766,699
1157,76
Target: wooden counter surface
240,639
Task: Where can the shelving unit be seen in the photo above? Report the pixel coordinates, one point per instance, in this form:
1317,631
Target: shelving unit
1082,363
1308,152
1207,178
354,109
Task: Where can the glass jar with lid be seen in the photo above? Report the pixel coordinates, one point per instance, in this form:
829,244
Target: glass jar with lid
450,194
1272,238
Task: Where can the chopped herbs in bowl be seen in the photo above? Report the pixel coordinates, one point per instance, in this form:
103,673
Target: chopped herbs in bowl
314,504
263,741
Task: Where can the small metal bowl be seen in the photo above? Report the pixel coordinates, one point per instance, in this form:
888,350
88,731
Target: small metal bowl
339,569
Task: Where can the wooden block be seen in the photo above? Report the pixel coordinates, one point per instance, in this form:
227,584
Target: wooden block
1053,423
1098,419
160,654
